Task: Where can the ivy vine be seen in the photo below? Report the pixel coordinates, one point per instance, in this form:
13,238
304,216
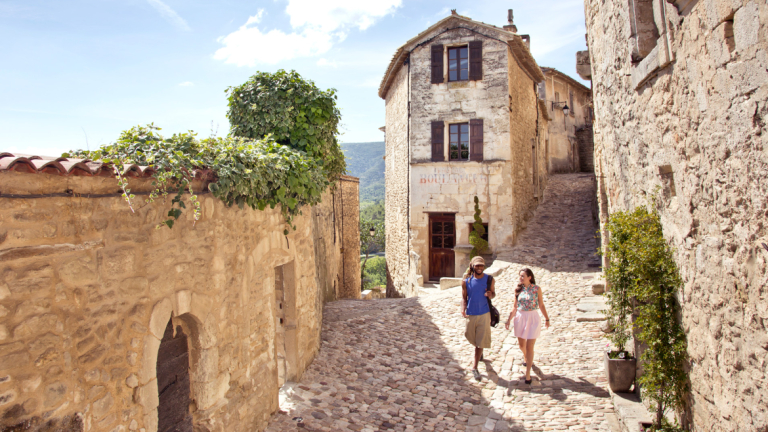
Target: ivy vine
244,172
282,150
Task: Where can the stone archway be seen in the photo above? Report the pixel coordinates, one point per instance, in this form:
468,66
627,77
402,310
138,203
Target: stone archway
192,313
173,381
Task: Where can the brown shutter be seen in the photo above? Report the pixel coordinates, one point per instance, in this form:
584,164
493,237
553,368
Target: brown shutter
437,63
438,142
475,60
476,140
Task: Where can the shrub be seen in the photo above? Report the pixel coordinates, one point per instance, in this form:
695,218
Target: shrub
646,270
479,245
375,274
294,111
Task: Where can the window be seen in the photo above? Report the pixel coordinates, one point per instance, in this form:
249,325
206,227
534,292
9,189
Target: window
459,141
572,107
458,64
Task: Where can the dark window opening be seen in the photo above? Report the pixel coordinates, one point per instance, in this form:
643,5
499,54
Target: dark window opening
458,64
484,236
459,149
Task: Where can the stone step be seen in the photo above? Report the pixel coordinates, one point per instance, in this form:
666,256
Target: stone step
591,307
591,317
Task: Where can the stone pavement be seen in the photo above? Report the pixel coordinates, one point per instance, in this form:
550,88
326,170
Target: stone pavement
402,364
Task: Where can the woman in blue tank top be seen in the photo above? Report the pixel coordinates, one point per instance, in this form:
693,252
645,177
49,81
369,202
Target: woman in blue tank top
476,291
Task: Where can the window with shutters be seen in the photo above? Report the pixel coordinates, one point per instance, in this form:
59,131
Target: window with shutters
459,141
458,64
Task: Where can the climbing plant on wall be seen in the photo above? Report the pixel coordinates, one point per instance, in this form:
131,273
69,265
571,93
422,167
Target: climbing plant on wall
282,150
253,173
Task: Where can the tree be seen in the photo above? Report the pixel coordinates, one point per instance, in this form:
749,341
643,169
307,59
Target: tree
370,243
476,236
293,111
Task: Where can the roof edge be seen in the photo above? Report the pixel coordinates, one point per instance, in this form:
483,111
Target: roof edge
569,78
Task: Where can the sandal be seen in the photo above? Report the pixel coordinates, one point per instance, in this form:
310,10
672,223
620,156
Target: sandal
476,374
528,381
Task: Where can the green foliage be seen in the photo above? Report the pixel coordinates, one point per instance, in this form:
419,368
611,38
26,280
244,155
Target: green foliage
253,173
622,226
650,274
373,211
375,274
479,245
365,161
372,244
294,111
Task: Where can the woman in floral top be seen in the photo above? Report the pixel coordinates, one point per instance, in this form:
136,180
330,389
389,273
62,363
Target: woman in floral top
528,300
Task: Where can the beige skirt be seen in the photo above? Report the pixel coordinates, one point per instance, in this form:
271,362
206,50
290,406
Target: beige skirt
478,331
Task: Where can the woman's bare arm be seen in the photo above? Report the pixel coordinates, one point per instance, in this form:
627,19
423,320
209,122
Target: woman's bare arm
542,307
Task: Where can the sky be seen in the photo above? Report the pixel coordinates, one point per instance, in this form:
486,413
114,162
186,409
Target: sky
75,73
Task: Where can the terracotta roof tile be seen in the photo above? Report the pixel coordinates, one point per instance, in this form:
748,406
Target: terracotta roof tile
63,166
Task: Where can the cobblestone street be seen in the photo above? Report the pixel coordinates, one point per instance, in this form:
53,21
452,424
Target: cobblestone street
404,364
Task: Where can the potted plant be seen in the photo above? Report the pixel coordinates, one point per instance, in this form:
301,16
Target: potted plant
620,364
664,382
642,268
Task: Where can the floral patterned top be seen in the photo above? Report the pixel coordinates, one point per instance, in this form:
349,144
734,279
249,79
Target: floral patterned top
528,299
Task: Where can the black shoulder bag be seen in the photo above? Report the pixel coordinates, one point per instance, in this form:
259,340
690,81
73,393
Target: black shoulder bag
495,316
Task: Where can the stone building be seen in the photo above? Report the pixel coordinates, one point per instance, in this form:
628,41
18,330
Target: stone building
462,120
681,104
109,324
565,148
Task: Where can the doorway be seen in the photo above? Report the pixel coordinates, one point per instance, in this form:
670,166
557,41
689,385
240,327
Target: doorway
173,382
286,344
442,239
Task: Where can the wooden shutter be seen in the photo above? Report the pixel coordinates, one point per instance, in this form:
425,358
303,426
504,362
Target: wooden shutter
476,140
437,63
475,60
438,141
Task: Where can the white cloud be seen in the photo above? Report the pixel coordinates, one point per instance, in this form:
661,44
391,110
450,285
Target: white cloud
324,62
316,26
186,84
169,14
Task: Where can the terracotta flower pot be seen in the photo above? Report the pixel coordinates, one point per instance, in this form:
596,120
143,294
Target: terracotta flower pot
621,373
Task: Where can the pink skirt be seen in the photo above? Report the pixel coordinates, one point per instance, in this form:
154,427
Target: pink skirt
527,324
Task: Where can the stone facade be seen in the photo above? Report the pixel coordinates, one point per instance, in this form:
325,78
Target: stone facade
562,146
507,178
681,104
88,289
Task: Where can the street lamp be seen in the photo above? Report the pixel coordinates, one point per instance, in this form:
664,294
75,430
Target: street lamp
566,110
372,232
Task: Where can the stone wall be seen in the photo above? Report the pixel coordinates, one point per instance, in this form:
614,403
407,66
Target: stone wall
689,117
349,267
87,289
396,188
586,148
557,88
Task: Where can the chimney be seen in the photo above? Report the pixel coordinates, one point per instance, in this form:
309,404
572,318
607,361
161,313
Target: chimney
527,40
511,19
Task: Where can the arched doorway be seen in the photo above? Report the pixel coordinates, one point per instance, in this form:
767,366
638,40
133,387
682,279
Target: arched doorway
173,381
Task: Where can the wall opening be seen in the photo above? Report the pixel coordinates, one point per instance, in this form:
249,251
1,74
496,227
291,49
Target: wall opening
644,31
173,381
286,343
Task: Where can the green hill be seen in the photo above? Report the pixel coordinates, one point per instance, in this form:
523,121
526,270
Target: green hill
366,161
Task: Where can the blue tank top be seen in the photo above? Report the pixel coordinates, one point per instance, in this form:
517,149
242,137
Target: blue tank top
477,303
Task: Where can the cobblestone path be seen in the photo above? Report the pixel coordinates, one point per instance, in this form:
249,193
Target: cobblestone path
403,364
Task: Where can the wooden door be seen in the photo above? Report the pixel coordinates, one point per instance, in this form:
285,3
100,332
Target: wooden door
442,239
